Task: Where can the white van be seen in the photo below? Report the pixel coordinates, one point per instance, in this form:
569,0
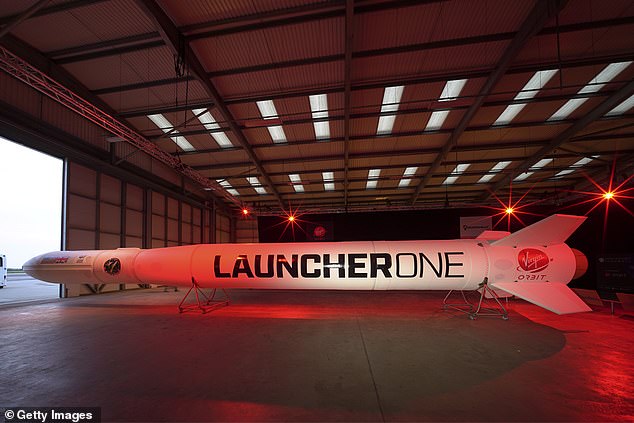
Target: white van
3,271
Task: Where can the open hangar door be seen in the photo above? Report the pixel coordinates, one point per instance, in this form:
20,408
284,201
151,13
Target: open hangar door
30,219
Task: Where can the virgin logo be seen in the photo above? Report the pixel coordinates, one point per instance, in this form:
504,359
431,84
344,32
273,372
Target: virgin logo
532,260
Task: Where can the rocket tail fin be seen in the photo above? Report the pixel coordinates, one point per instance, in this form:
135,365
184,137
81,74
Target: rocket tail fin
492,235
556,297
553,230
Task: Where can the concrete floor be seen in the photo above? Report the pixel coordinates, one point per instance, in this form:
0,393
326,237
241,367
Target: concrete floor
315,356
21,288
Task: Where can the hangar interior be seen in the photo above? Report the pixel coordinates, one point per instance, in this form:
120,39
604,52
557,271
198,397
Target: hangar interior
213,121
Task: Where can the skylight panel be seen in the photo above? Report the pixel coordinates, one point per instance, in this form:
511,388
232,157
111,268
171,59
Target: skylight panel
598,82
296,180
494,171
530,90
407,176
319,109
452,89
540,164
565,110
167,127
522,176
455,174
436,120
277,134
391,100
450,92
208,121
329,180
623,107
255,183
268,111
227,186
222,139
160,121
578,164
410,171
386,123
373,178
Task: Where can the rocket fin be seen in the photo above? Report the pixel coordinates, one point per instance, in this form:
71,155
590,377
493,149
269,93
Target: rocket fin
492,235
553,230
555,297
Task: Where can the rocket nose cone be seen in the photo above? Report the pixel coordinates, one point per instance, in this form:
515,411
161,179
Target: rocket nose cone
581,263
30,266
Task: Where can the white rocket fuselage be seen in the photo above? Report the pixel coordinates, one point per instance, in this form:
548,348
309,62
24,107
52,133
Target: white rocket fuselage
411,265
533,263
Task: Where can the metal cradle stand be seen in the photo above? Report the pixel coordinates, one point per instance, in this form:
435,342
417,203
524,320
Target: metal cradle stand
204,302
486,306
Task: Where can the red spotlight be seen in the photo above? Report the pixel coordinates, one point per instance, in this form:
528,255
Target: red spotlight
608,195
512,210
291,219
245,211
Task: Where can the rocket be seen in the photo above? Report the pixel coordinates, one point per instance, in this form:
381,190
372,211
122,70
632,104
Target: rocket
533,263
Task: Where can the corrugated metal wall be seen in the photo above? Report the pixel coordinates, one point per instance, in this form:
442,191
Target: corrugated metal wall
223,229
247,230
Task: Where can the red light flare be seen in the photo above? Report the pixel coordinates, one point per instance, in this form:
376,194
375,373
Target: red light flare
606,196
512,210
245,212
292,219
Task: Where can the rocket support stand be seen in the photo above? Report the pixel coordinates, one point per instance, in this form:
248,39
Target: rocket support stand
204,304
483,308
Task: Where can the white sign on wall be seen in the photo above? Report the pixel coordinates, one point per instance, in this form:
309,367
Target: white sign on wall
472,226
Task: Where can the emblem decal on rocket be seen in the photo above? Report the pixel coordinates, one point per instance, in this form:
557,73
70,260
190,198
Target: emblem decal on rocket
112,266
532,260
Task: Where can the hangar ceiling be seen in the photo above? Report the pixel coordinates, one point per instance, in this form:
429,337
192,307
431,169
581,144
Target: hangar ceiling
349,105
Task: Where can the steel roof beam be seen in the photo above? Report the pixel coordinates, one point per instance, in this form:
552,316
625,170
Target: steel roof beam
142,85
536,19
571,154
408,134
101,45
347,106
374,155
296,15
394,193
175,40
596,113
131,48
60,7
17,19
396,178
